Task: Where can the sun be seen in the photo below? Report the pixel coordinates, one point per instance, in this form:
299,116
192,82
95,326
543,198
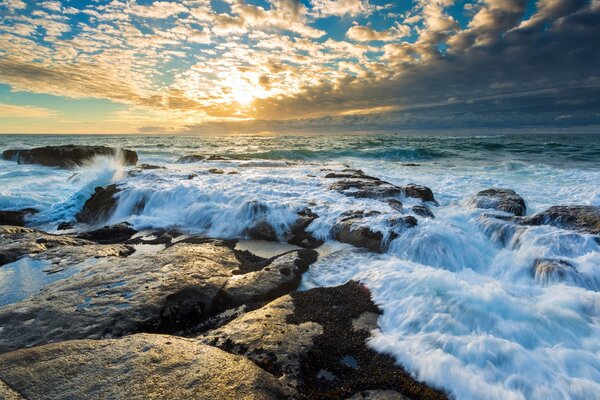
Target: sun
244,97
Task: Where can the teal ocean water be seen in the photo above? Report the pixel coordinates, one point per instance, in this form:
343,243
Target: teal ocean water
462,309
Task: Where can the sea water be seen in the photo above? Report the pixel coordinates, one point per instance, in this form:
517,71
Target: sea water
461,307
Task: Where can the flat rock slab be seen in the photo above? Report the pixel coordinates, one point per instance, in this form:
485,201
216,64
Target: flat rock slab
143,366
17,242
315,342
181,285
67,156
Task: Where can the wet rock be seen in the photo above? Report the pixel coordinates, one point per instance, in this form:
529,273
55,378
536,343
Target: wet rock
500,199
64,226
423,211
419,192
379,395
18,242
142,366
350,229
262,230
584,219
396,205
232,173
165,292
149,167
216,171
370,187
298,234
16,218
315,343
68,155
117,233
100,206
192,158
548,270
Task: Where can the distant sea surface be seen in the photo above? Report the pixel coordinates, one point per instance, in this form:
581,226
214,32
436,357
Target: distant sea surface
462,309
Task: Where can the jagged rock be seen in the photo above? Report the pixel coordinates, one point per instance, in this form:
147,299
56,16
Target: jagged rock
349,230
315,342
584,219
262,230
192,158
142,366
149,167
100,206
216,171
182,285
500,199
352,228
65,225
117,233
423,211
546,270
356,184
419,192
298,234
68,155
16,218
18,242
396,205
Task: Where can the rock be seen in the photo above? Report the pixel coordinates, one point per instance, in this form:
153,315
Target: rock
423,211
396,205
117,233
353,228
149,167
379,395
548,270
584,219
349,230
100,206
419,192
16,218
6,393
315,342
142,366
68,155
65,225
356,184
367,187
165,292
18,242
232,173
298,234
500,199
216,171
262,230
192,158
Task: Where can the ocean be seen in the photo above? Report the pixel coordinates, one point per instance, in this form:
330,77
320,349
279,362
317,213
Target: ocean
461,307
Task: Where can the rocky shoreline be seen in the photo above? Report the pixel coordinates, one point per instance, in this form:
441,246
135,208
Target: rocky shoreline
160,314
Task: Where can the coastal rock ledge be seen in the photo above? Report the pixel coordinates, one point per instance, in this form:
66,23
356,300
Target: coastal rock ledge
67,156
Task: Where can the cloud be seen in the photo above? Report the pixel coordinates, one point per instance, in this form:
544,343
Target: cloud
159,9
361,33
350,8
14,111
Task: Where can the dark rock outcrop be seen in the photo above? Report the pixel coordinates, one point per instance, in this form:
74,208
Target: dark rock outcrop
423,211
315,342
262,230
356,184
298,234
17,217
180,286
68,155
500,199
100,206
216,171
584,219
142,366
192,158
117,233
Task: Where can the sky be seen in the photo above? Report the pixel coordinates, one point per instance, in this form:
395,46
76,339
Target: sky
262,66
